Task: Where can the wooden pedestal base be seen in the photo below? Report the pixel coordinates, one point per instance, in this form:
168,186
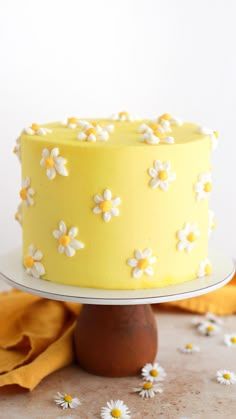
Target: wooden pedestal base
115,341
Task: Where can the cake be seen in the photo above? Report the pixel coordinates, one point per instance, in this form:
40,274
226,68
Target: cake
116,203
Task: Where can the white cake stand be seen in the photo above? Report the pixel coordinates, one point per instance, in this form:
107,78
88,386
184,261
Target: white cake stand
116,331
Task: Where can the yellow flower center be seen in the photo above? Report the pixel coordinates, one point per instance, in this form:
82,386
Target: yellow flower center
64,240
94,123
154,373
49,163
105,206
72,120
189,346
35,127
191,237
116,413
123,114
208,187
163,175
28,261
23,193
208,269
90,131
227,376
147,386
210,328
233,339
166,116
142,263
68,398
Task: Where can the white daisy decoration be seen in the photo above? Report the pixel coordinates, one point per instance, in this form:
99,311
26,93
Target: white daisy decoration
214,135
93,133
148,390
66,401
153,372
203,187
211,222
226,377
66,239
161,175
142,263
230,339
205,268
122,116
72,122
54,163
17,148
115,409
208,328
167,121
189,348
32,262
107,205
187,237
19,214
27,192
36,129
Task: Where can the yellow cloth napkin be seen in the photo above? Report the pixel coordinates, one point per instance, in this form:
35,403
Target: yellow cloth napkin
36,335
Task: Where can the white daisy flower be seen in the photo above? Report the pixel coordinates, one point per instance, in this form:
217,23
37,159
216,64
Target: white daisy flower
154,133
17,148
211,222
209,317
226,377
66,401
107,205
167,121
53,162
214,135
26,192
187,237
93,133
71,122
141,263
19,214
161,175
189,348
36,129
230,339
148,390
115,409
208,328
153,372
32,262
66,239
122,116
205,268
203,187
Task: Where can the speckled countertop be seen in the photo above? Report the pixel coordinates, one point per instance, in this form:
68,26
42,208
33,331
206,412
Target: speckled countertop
190,390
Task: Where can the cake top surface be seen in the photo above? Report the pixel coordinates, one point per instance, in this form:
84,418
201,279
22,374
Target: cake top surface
119,131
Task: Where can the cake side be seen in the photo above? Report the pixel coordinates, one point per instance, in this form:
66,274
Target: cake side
127,216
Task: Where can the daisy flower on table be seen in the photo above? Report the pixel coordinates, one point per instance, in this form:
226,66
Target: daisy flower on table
153,372
189,348
208,328
115,409
230,339
209,317
226,377
148,390
66,401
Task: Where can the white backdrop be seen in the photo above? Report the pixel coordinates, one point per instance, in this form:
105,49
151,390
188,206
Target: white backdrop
71,57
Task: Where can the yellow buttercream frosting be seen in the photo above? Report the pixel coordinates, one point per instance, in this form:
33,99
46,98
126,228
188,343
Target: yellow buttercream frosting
147,218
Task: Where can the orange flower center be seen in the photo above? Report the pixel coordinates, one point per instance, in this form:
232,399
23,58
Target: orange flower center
163,175
191,237
147,386
227,376
35,127
28,261
210,328
23,194
64,240
49,163
90,131
233,339
154,373
208,187
105,206
72,120
116,413
142,264
189,346
68,398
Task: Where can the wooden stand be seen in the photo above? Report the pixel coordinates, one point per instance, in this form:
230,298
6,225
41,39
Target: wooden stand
115,341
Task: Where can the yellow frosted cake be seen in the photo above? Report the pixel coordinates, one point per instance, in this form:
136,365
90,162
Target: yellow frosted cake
117,203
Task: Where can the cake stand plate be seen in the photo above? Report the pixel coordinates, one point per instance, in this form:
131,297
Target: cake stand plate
116,331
